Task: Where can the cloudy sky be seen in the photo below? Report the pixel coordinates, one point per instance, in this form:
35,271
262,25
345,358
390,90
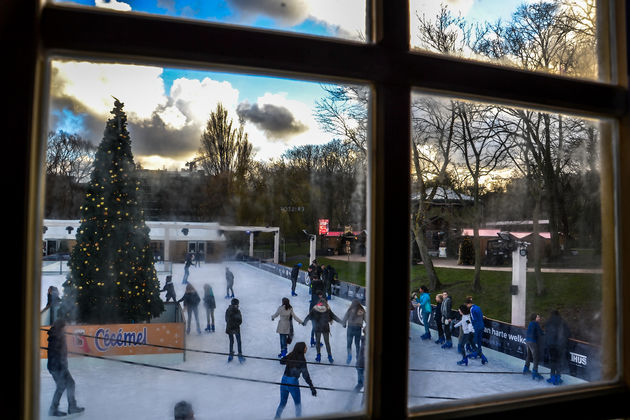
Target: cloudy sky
167,108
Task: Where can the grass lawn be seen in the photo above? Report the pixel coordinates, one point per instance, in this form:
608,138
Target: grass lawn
576,296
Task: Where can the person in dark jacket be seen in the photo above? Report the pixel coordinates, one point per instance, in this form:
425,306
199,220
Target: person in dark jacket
329,276
447,319
295,272
169,288
295,366
322,317
187,264
233,321
191,301
557,340
477,318
58,368
315,298
532,341
210,304
229,281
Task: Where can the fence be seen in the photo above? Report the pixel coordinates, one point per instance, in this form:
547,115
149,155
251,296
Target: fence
583,360
61,267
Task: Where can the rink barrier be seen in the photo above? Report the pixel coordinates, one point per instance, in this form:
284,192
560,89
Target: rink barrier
581,359
344,290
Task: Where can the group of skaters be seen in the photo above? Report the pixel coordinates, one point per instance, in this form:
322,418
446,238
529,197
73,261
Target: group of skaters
469,319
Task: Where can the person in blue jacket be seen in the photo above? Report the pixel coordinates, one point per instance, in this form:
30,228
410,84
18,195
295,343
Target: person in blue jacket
424,302
477,320
532,340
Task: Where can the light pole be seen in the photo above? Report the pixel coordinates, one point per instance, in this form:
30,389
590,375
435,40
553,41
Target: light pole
312,246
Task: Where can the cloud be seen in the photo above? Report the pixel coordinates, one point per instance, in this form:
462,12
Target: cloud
277,122
285,12
113,4
346,18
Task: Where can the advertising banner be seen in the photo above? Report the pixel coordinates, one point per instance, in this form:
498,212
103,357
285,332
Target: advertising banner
323,226
120,339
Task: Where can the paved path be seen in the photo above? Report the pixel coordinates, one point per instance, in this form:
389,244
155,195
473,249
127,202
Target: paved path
452,263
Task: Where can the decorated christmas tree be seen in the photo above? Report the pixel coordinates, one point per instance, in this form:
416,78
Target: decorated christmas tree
112,277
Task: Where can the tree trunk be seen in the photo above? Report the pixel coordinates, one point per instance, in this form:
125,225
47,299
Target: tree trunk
427,261
538,244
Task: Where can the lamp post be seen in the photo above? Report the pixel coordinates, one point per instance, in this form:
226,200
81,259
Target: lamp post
312,248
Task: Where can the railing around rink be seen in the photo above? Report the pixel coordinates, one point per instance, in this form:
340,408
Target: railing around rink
344,290
581,359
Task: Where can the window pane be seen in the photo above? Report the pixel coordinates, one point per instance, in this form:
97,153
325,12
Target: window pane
224,184
506,211
326,18
565,37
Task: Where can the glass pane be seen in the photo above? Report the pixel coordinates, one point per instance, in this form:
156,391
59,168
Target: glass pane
171,196
326,18
565,37
507,251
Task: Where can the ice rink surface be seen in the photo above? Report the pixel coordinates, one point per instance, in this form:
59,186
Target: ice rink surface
220,390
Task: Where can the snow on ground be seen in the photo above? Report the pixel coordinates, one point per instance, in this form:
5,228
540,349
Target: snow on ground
111,389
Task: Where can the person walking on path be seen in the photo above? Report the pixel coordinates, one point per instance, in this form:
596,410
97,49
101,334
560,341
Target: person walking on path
169,288
187,265
447,319
295,272
424,302
437,317
354,320
557,340
233,321
532,341
285,325
191,303
323,317
295,363
477,320
229,281
210,304
466,337
58,368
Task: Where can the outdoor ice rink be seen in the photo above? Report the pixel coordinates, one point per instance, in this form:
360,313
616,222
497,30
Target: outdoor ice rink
114,390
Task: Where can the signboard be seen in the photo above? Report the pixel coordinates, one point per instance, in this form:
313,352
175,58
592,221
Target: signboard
323,226
120,339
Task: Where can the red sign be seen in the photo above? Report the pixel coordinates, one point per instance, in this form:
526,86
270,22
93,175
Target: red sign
323,226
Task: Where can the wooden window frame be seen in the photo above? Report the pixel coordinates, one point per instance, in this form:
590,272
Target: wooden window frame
34,31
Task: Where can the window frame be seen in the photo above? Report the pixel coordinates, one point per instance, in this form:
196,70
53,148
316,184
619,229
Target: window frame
392,71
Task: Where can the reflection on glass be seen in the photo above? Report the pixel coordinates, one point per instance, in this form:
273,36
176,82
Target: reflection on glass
507,240
554,36
327,18
201,233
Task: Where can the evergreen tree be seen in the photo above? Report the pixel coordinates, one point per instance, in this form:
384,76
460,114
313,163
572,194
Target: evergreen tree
112,277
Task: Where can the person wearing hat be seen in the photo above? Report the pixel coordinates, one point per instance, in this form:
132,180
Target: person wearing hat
169,288
322,317
233,321
294,277
183,411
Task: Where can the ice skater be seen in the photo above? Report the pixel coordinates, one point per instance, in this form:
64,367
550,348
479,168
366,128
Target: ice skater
285,312
233,321
467,333
295,363
447,319
191,303
424,302
210,304
323,317
229,281
187,265
295,272
354,320
532,340
437,317
169,288
58,368
476,315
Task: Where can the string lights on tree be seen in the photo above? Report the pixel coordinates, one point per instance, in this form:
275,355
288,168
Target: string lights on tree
112,277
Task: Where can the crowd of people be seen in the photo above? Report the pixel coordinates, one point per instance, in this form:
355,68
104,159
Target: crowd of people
467,323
